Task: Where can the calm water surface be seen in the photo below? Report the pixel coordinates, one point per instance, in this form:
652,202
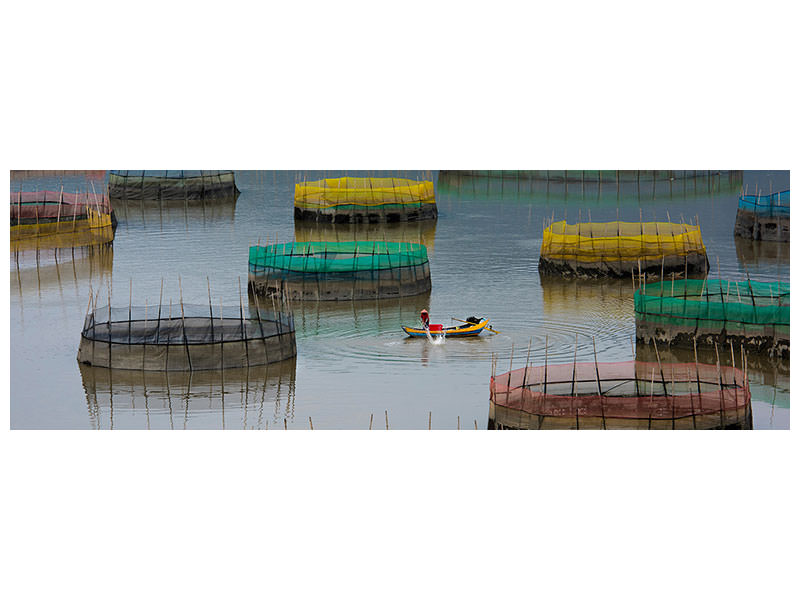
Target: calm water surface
354,363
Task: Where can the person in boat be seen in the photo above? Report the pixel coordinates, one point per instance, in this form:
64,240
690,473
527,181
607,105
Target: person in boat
425,318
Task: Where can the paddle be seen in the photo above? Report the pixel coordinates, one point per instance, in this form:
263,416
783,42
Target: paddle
487,327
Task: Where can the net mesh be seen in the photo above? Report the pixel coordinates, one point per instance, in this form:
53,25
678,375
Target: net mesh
773,205
349,192
337,257
64,219
721,302
185,337
181,324
142,186
622,390
617,240
27,207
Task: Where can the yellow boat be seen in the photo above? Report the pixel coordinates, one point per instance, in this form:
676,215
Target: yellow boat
471,328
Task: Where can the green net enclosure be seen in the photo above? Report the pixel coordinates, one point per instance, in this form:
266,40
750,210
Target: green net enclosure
365,200
620,249
185,337
175,186
763,217
357,270
621,395
708,311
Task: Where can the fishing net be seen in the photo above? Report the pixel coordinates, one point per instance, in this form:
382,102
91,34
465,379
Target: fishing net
619,249
157,186
185,337
339,270
623,395
750,313
63,215
763,217
365,200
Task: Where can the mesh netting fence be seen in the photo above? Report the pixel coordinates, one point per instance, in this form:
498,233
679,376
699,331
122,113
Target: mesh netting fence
619,249
365,200
48,213
621,395
339,270
185,337
149,186
763,217
708,311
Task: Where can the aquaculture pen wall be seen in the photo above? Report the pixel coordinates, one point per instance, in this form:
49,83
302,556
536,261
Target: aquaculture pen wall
763,217
365,200
709,311
624,395
48,213
184,337
171,185
339,270
618,249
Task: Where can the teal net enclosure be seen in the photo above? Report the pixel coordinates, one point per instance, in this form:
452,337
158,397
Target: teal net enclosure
751,314
357,270
185,337
172,186
763,217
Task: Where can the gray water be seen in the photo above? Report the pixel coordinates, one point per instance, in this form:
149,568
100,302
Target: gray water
354,365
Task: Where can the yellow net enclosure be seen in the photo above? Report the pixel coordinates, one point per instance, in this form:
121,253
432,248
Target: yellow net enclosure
364,200
618,249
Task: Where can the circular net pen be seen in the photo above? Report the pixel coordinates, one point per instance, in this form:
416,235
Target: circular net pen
620,249
763,217
365,200
185,337
621,395
339,270
171,186
708,311
46,214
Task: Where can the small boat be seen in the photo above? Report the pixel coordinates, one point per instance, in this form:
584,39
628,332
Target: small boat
472,328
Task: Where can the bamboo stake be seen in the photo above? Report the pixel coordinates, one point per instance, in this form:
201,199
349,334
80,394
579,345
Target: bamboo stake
574,363
658,358
721,390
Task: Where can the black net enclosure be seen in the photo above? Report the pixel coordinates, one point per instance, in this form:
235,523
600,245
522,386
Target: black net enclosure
185,337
